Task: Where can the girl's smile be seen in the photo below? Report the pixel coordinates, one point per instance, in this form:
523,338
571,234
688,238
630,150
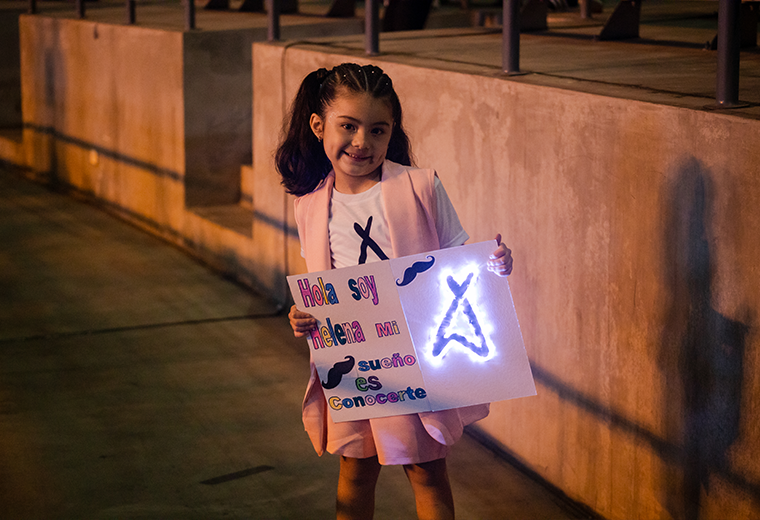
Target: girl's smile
355,132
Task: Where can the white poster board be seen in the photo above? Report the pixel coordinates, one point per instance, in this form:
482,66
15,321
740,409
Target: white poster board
420,333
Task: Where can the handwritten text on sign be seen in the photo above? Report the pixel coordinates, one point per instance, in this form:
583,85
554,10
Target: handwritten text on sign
413,334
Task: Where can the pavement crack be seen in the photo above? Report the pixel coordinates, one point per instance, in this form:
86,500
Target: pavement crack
236,475
129,328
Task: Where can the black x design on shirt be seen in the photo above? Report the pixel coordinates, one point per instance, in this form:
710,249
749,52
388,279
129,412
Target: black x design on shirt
367,241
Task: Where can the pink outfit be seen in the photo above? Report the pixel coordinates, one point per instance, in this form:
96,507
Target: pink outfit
409,199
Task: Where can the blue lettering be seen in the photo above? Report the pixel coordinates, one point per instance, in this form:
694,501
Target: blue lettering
356,295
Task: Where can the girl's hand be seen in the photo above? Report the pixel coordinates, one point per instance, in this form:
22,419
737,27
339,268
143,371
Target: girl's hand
500,261
302,322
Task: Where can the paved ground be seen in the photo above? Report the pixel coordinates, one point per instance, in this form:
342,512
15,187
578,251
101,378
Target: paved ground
136,384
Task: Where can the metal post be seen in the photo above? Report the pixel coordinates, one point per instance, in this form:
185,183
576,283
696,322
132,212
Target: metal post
371,27
189,15
510,44
80,8
32,6
585,6
130,12
273,17
727,88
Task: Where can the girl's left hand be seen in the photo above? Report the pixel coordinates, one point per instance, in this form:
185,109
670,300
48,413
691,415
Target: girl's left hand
500,261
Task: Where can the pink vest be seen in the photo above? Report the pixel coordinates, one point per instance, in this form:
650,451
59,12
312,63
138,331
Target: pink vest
409,199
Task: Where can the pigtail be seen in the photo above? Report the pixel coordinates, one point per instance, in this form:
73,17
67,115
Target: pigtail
300,158
399,147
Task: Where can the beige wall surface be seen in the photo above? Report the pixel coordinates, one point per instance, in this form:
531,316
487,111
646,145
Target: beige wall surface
635,230
158,125
150,121
103,111
217,100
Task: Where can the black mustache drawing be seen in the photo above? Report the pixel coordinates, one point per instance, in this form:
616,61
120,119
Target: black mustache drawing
336,372
416,268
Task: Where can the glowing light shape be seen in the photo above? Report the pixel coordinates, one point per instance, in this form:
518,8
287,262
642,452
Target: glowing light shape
442,342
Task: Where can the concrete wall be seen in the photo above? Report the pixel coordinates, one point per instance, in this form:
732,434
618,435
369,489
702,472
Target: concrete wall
170,112
217,93
103,111
635,229
157,123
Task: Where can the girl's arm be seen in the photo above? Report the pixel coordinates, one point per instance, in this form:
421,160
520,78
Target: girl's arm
500,261
302,322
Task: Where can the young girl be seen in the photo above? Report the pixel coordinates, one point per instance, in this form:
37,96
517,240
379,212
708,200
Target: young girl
347,158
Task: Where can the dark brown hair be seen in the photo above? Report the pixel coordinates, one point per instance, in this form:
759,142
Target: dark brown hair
301,158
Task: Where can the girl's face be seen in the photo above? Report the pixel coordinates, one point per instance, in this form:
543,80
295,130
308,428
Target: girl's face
355,131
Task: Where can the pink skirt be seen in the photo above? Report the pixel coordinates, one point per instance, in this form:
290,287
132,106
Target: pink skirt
403,439
395,440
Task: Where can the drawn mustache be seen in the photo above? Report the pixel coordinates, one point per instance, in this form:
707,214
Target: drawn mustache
336,372
413,270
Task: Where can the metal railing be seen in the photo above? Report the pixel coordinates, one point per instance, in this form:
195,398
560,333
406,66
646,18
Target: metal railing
728,57
189,14
372,27
510,37
727,77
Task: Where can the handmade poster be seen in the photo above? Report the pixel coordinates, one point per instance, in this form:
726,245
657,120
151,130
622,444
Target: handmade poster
420,333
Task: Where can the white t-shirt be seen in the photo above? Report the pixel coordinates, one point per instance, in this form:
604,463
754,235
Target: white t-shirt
358,226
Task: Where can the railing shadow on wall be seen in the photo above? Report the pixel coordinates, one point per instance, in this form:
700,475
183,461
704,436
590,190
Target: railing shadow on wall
622,24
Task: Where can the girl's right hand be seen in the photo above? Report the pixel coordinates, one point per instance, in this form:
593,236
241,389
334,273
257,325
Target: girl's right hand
302,322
